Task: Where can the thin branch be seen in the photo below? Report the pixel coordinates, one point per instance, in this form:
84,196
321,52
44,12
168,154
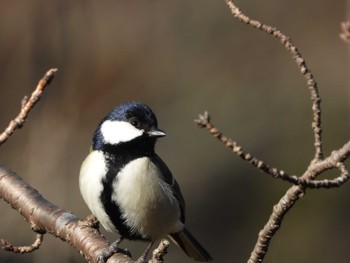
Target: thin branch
304,70
292,195
160,252
27,105
23,249
317,166
274,223
203,121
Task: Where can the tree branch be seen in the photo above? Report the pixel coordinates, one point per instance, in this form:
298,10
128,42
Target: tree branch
203,121
27,105
160,252
317,166
307,180
49,218
23,249
304,70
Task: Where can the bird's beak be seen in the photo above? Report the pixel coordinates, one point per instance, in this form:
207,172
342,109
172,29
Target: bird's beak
156,133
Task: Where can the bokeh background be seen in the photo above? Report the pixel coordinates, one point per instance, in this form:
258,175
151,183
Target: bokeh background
181,57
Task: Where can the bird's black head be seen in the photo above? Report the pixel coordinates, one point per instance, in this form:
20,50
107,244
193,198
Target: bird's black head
128,122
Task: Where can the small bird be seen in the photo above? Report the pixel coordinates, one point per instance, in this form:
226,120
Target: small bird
128,187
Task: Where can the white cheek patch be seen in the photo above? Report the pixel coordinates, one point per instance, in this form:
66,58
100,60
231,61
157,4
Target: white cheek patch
115,132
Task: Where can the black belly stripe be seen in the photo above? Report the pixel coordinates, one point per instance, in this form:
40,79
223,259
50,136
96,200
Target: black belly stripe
117,157
113,210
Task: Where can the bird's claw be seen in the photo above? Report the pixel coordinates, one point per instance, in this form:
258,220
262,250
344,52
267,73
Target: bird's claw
110,251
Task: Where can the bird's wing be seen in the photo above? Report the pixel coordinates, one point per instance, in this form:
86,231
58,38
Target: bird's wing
169,179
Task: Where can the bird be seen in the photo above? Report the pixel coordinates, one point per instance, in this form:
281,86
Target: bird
129,188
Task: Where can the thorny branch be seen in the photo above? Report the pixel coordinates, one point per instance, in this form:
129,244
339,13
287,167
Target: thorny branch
317,166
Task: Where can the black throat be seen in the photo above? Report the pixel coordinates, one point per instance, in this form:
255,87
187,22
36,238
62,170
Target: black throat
117,156
123,153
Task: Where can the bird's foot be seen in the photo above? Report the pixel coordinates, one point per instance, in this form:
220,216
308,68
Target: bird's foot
112,249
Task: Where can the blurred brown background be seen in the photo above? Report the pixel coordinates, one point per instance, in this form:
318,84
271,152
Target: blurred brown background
181,58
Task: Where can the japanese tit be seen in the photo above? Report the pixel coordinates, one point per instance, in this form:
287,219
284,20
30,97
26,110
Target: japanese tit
129,188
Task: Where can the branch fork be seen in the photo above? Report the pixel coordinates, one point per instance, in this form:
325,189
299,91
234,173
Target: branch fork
318,164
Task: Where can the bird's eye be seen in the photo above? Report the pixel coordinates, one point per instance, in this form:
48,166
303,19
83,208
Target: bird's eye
135,123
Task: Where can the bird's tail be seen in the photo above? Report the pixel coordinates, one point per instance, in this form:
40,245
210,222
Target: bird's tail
190,245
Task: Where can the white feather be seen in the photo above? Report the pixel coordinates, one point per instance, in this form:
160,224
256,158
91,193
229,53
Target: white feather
115,132
92,171
146,201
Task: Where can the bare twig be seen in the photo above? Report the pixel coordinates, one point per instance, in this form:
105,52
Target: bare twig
295,192
317,166
159,253
292,195
27,105
203,121
305,71
335,160
23,249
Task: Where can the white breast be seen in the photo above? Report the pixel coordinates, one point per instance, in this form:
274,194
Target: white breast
92,171
146,202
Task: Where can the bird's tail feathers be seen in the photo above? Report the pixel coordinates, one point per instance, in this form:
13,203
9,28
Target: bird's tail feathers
190,246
